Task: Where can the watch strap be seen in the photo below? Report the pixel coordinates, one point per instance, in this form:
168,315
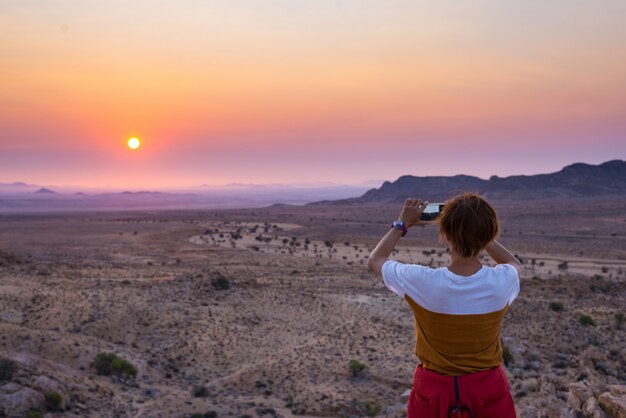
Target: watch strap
400,226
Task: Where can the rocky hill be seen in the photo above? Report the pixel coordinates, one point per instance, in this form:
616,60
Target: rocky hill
576,180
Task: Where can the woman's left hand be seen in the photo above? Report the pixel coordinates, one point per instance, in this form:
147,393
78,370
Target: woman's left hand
412,211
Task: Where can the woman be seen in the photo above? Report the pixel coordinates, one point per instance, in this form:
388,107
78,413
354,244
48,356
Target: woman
458,311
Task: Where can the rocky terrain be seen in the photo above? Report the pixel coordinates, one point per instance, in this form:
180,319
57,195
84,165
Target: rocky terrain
271,312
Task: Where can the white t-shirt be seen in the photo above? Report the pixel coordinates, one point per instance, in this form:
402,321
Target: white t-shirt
439,290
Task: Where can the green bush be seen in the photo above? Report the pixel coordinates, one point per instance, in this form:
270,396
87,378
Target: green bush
200,392
209,414
54,400
221,283
7,369
586,320
557,306
372,409
121,367
102,363
355,367
107,364
33,413
507,356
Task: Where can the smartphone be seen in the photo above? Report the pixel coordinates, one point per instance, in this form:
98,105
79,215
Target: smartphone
431,212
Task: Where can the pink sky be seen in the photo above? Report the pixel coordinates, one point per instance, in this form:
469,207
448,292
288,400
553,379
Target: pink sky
283,91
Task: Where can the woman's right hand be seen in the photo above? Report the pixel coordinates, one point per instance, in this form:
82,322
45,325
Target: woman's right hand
412,211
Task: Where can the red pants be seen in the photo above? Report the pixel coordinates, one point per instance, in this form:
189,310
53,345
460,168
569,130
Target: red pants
482,394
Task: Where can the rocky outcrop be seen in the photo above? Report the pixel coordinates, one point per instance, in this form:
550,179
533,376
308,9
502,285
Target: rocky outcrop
15,400
614,401
46,384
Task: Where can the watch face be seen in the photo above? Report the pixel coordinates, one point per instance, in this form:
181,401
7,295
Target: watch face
398,224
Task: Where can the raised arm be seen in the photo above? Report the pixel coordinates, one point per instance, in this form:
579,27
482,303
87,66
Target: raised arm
383,250
410,215
501,255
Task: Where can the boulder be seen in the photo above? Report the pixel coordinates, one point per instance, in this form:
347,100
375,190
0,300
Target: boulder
578,393
528,412
405,395
548,389
614,401
591,409
15,399
530,385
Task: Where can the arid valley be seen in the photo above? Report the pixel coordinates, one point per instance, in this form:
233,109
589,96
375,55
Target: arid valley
259,312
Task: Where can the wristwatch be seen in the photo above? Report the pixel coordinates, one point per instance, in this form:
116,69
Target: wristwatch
401,226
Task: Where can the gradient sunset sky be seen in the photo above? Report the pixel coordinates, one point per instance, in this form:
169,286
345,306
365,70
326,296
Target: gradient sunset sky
306,90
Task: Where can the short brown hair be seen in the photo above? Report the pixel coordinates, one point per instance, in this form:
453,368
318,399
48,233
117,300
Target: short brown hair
469,222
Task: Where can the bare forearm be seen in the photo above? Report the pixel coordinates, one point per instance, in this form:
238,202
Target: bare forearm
383,250
500,254
387,244
410,215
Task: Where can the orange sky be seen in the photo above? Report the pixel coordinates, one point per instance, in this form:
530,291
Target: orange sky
284,91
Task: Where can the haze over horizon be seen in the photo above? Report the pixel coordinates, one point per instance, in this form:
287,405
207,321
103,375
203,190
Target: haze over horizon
285,92
373,183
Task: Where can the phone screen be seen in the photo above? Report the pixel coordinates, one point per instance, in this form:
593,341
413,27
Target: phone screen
431,212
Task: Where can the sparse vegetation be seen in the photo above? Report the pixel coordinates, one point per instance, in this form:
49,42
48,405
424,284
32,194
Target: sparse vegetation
208,414
221,282
109,364
586,320
54,400
355,367
7,369
563,265
557,306
8,258
200,392
542,358
34,413
507,356
372,409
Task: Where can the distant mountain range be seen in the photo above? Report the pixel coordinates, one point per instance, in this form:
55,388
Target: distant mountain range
576,180
43,190
26,198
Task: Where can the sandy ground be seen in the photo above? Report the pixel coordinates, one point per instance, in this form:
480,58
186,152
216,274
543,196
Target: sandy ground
299,306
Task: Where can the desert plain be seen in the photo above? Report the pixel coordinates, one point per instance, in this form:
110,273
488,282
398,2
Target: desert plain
259,312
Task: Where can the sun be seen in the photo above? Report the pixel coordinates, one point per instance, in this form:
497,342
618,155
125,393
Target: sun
134,143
